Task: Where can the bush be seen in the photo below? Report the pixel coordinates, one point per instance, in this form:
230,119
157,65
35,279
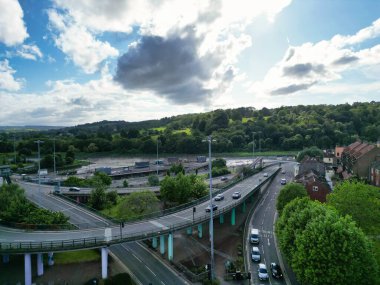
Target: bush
125,183
153,180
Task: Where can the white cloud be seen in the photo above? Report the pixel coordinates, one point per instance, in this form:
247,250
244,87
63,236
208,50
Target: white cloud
305,67
12,27
7,81
31,52
79,44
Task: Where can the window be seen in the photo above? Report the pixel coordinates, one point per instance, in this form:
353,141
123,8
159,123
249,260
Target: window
315,188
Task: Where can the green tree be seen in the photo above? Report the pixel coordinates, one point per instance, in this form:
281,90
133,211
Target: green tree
288,193
332,250
125,183
137,204
311,152
153,180
101,178
360,201
98,198
177,168
112,197
219,162
199,188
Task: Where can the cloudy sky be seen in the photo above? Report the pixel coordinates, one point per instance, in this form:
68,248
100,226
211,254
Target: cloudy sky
68,62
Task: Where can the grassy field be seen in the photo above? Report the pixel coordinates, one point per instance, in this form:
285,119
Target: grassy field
160,129
245,119
76,256
186,131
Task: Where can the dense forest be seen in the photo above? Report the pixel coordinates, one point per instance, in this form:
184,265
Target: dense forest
283,128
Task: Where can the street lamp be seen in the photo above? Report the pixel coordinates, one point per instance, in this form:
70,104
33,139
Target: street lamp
210,140
39,164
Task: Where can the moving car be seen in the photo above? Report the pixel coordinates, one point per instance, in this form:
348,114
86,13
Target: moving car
214,208
74,189
265,174
224,178
236,195
283,181
283,172
254,237
219,197
255,255
263,272
276,270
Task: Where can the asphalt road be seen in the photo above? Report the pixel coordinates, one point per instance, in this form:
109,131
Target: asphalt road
140,262
264,219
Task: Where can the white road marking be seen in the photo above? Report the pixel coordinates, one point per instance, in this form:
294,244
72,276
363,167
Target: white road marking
182,217
151,271
157,224
136,257
268,242
163,283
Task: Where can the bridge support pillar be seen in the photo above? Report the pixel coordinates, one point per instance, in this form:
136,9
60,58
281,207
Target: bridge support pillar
243,207
170,247
51,258
104,263
40,264
154,242
162,245
5,258
233,216
28,269
221,219
200,231
189,231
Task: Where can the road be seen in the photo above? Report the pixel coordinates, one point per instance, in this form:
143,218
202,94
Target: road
263,219
143,265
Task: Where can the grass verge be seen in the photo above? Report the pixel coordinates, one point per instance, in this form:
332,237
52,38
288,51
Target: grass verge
76,256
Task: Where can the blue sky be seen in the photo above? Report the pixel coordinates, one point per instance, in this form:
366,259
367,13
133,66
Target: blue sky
68,62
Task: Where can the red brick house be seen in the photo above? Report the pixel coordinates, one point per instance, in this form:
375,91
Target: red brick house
315,184
375,173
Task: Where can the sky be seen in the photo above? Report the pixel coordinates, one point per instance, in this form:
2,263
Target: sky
70,62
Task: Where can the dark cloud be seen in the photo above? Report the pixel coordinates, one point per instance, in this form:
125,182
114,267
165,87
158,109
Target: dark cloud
303,70
41,112
80,101
171,67
291,89
345,60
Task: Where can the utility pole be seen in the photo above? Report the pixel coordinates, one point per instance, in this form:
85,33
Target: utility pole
54,157
14,148
157,157
39,164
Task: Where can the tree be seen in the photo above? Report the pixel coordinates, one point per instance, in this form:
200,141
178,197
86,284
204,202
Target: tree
112,197
311,152
153,180
288,193
137,204
125,183
70,155
219,162
101,178
332,250
177,168
360,201
98,198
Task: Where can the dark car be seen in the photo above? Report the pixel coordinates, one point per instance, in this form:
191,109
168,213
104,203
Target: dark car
219,197
224,178
74,189
276,270
236,195
214,208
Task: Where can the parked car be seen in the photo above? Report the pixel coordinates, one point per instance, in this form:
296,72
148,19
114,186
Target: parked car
255,255
219,197
283,172
214,208
283,181
224,178
263,272
265,174
276,270
236,195
74,189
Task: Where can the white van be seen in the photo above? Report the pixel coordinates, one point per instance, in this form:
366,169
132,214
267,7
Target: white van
254,237
255,255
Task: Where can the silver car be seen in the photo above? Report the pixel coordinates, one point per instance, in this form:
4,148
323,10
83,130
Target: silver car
255,255
263,272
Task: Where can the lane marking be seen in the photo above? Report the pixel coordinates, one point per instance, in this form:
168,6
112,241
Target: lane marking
151,271
136,257
268,242
162,282
182,217
157,224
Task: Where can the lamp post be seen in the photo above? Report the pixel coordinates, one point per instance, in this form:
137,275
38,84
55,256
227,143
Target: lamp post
54,157
157,157
39,164
210,140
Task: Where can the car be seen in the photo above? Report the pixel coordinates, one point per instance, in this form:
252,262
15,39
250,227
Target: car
265,174
74,189
255,254
255,236
283,181
276,270
219,197
224,178
263,272
236,195
283,172
214,208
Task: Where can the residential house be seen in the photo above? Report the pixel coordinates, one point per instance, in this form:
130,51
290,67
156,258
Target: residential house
338,153
375,173
357,158
312,163
316,185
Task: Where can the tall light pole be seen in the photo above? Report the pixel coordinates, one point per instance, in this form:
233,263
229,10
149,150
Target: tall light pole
39,164
157,157
54,156
210,140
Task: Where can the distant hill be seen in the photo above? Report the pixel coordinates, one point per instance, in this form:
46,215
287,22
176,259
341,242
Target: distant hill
13,129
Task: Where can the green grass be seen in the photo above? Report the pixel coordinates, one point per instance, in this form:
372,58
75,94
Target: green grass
76,256
160,129
186,131
245,119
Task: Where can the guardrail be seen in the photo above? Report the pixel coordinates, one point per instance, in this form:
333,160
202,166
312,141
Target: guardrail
102,241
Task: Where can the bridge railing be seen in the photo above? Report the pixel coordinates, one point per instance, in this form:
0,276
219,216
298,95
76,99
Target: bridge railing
102,241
